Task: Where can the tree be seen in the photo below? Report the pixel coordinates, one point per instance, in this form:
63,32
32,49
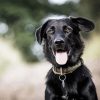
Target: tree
23,16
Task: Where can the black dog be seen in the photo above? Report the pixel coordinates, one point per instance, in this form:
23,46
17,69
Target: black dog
68,79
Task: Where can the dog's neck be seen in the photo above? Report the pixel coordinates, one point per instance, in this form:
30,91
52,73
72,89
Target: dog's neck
68,70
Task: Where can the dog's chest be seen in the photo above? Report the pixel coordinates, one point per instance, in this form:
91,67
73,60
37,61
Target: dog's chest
69,90
66,90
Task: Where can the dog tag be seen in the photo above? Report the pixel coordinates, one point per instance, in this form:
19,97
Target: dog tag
63,83
62,79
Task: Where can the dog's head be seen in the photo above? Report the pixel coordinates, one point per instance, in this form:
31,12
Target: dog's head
62,42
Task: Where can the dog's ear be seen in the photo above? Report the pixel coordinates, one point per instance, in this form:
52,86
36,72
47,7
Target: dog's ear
40,32
84,25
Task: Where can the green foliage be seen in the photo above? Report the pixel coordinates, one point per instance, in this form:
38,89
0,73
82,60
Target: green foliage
91,9
23,16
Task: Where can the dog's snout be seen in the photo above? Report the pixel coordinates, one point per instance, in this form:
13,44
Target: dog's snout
59,41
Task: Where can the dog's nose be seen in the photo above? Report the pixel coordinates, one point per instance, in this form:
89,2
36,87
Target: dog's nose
59,41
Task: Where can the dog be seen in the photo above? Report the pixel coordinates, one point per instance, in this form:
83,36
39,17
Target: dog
69,78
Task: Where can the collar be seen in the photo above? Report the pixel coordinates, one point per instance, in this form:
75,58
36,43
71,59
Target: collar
68,70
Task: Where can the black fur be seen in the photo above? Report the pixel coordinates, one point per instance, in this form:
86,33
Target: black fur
60,36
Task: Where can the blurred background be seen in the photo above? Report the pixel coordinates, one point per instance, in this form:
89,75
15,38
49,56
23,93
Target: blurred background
22,64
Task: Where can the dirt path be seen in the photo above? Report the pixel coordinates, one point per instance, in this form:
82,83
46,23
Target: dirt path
27,82
24,82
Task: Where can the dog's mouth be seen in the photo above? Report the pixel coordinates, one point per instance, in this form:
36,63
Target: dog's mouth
61,56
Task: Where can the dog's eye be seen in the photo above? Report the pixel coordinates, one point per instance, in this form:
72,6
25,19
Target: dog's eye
67,29
50,31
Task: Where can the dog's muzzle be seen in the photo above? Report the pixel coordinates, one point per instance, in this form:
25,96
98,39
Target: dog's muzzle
60,52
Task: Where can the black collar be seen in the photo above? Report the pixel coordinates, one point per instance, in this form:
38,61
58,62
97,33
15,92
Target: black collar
68,70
